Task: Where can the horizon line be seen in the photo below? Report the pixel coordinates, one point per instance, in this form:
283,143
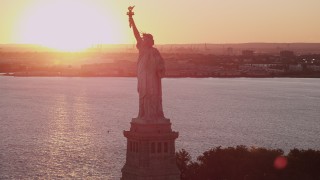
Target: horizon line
175,43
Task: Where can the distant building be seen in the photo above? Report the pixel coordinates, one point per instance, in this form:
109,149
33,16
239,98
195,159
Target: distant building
247,53
287,54
314,68
295,68
229,51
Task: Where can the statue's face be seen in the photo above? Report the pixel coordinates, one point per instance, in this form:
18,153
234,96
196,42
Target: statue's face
149,42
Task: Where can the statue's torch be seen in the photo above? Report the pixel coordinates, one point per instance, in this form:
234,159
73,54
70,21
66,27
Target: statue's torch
130,14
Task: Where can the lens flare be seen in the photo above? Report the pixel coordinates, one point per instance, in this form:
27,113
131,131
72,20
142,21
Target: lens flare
280,163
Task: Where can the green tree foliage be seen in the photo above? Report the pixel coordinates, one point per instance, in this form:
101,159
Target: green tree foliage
242,163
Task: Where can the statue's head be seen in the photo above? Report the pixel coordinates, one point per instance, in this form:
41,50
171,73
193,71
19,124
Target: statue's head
148,39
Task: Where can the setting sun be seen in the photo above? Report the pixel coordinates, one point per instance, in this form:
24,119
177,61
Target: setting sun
68,25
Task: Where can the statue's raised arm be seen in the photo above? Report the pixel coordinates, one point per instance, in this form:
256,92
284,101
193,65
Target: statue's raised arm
133,25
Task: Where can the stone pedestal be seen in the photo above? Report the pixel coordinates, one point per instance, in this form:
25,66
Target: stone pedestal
150,151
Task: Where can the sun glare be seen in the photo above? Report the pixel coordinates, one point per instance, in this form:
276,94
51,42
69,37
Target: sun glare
68,25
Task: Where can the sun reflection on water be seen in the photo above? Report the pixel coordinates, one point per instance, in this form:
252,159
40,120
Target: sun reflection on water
69,138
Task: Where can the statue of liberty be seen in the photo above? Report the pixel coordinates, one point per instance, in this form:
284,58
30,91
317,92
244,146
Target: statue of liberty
150,70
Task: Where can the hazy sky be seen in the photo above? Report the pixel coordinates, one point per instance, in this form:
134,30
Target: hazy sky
178,21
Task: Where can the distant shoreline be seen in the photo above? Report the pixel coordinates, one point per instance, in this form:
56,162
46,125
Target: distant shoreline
284,76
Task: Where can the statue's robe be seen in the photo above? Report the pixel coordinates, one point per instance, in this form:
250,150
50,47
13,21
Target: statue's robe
150,70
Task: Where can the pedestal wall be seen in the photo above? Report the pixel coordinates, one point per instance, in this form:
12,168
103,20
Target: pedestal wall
150,152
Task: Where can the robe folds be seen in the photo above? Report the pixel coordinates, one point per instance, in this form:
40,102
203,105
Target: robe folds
150,70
